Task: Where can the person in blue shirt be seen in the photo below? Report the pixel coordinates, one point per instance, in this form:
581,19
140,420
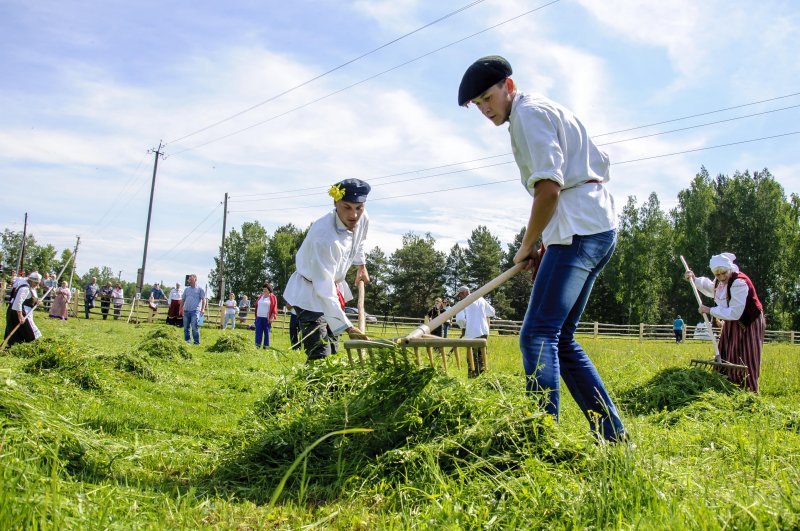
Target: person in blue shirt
677,329
91,292
157,293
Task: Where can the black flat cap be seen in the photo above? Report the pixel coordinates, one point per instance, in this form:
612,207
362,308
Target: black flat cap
481,75
355,190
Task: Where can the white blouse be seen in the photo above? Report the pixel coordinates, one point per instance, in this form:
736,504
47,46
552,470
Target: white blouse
724,310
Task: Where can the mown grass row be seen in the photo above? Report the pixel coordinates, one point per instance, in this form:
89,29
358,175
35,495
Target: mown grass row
111,426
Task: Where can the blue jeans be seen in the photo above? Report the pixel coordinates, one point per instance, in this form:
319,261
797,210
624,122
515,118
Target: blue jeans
263,327
190,319
547,339
229,318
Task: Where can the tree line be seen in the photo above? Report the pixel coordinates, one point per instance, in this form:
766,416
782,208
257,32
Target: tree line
747,213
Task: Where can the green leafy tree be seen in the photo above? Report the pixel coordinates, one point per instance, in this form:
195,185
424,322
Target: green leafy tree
455,271
281,252
377,294
640,270
245,261
416,272
516,292
482,255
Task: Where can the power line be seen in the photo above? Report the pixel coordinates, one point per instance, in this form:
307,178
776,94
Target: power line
122,190
272,194
190,232
699,114
699,125
307,104
334,69
427,192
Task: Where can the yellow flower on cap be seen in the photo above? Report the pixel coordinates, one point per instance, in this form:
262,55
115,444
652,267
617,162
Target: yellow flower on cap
336,192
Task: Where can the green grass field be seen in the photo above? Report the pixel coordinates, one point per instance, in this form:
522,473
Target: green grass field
114,426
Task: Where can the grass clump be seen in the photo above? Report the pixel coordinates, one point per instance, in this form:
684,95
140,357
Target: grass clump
422,423
63,356
671,389
135,364
165,348
231,343
45,441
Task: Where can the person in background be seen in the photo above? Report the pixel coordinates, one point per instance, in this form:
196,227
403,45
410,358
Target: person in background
230,312
61,297
157,293
90,293
105,299
294,329
446,325
474,323
118,298
266,310
48,284
193,305
317,290
20,312
174,316
738,307
244,308
572,213
677,329
433,313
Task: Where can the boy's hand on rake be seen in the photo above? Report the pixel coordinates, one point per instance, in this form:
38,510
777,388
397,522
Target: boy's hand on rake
355,333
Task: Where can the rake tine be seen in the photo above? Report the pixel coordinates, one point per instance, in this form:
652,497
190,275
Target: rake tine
430,356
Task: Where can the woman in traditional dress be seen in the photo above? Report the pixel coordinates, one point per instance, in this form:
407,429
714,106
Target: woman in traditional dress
742,315
174,316
60,307
20,312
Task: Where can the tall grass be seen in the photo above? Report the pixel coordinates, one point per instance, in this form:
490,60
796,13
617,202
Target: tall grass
114,426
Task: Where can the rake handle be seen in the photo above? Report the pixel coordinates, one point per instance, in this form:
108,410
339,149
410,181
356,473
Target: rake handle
466,301
362,317
705,316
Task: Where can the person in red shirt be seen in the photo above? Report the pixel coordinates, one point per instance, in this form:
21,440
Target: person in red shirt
266,310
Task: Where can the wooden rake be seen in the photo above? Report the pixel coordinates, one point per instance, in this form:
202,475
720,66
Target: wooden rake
421,337
716,363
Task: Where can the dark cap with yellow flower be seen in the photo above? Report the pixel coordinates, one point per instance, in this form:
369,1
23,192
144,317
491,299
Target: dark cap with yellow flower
350,190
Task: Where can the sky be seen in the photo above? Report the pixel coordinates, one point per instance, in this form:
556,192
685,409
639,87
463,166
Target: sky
272,102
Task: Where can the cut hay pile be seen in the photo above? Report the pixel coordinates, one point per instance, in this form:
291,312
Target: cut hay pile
164,342
422,424
231,343
63,357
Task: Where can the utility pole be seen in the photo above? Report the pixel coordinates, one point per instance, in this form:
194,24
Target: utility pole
222,250
21,261
74,259
140,276
119,277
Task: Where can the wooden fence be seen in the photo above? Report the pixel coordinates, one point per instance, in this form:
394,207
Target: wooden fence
390,325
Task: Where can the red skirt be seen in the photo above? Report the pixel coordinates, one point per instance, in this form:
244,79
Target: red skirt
742,345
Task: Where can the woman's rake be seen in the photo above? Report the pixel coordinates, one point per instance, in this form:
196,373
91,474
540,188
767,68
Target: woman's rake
717,363
421,337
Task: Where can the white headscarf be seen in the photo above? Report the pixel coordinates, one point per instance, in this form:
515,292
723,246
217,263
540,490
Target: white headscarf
724,260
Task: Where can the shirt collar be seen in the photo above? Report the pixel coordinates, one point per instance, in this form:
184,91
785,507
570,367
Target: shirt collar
517,96
340,227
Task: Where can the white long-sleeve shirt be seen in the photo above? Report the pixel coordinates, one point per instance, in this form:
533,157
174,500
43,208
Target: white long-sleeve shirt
474,318
327,253
724,310
549,142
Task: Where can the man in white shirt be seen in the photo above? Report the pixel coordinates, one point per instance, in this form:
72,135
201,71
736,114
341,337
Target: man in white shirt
573,214
474,323
317,290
